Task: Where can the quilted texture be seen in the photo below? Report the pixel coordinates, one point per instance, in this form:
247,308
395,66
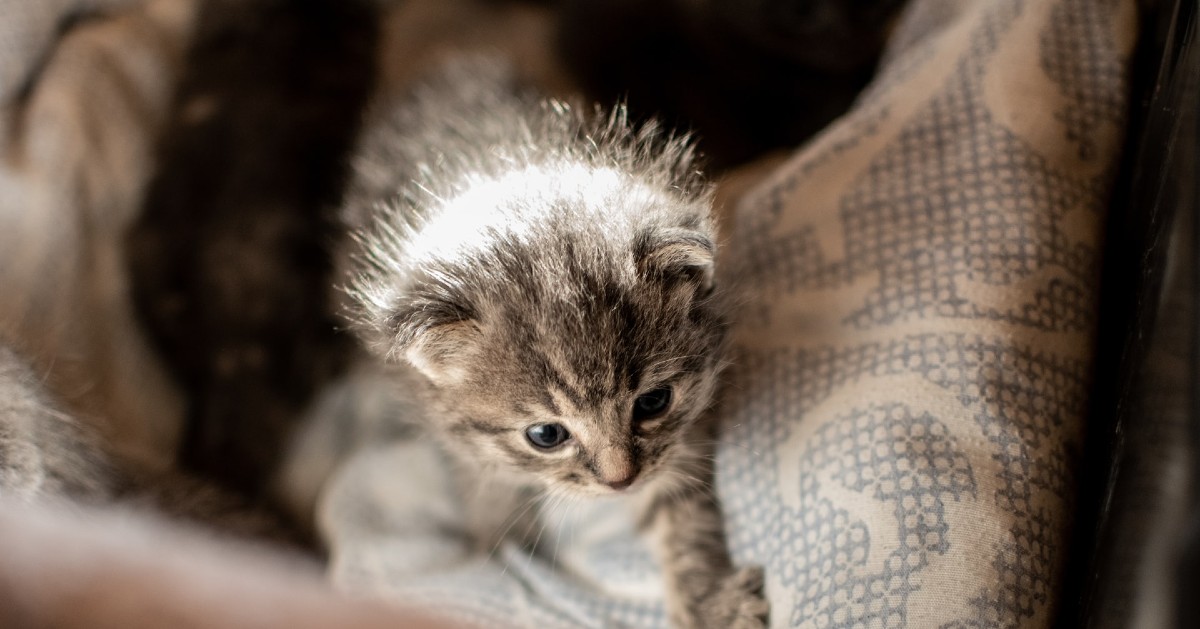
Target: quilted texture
920,286
922,279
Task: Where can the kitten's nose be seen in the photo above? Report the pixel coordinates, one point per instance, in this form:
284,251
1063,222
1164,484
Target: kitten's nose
622,483
615,468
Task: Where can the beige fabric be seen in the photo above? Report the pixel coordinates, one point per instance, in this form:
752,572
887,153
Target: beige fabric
921,284
94,569
27,32
74,155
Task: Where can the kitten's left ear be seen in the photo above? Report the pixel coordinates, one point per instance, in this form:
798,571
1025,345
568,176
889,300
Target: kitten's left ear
677,254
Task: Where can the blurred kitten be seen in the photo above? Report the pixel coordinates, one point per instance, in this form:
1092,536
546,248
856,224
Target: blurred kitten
43,451
47,455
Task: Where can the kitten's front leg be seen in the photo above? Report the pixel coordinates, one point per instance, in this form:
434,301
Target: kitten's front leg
704,589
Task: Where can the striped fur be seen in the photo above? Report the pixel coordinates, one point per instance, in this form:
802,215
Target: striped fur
539,265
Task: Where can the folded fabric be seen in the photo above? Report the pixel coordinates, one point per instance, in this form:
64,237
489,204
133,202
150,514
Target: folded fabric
79,114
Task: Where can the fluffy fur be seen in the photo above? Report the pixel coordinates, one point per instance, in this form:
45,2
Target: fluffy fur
43,450
540,266
46,454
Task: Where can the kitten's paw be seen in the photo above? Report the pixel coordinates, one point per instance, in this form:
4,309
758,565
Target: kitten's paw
739,602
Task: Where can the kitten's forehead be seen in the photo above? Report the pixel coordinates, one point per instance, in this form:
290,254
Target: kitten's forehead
587,385
585,344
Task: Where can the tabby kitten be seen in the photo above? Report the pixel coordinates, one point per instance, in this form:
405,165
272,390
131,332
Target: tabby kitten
550,278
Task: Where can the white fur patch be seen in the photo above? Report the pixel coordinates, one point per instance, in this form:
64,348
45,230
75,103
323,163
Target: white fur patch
515,204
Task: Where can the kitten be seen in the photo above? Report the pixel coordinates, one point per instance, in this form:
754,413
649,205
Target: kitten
228,261
550,277
43,450
47,454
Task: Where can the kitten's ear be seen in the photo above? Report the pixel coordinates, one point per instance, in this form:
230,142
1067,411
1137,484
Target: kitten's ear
434,335
677,255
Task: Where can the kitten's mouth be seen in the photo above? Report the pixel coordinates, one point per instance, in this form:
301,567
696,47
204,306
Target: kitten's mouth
623,484
635,484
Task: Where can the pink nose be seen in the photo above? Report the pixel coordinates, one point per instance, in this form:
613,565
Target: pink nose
615,468
622,483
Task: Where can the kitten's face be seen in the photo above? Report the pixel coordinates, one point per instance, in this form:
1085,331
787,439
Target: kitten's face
575,362
588,408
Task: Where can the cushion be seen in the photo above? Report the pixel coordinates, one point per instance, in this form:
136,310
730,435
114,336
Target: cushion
922,281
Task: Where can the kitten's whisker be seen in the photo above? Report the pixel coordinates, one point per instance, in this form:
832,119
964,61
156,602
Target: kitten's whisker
675,490
513,519
550,495
558,538
693,478
545,521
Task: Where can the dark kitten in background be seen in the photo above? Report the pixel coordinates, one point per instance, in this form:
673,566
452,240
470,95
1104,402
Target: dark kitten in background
230,261
748,76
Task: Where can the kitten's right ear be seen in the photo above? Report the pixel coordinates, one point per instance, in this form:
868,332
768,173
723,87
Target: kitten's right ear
434,335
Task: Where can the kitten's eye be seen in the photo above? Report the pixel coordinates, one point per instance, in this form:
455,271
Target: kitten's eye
651,404
547,436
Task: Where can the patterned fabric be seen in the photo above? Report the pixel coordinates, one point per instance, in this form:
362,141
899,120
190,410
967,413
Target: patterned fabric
907,423
920,286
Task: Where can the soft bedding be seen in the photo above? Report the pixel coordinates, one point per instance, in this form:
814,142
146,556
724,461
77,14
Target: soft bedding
918,283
